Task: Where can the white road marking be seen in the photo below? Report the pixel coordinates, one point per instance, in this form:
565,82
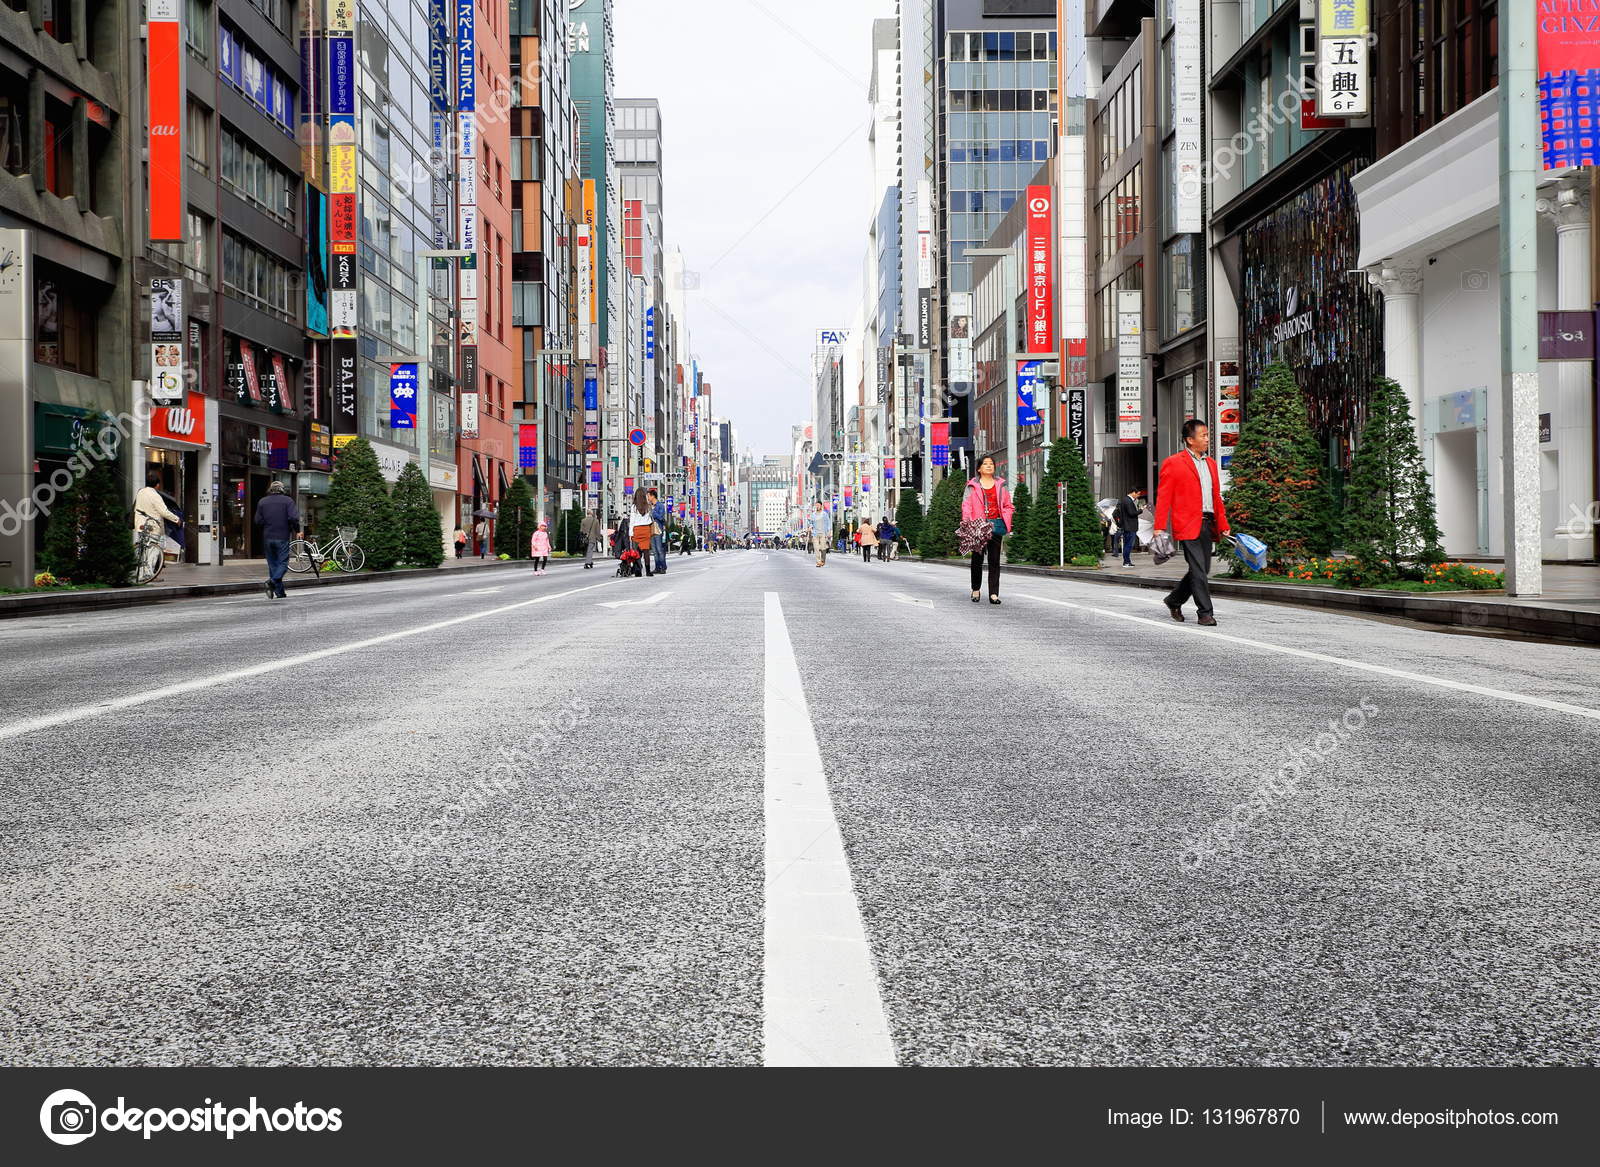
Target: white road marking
133,700
902,598
478,592
655,599
1306,654
820,1000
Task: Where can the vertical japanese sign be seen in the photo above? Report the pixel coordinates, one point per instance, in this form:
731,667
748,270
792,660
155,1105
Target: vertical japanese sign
1130,366
650,334
583,241
469,414
164,134
1343,84
403,396
1188,100
252,380
280,376
166,341
439,44
1041,276
1569,83
343,359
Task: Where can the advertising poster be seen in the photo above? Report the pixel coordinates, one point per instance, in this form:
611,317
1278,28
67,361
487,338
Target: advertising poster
316,261
166,341
1030,380
961,368
1227,414
403,396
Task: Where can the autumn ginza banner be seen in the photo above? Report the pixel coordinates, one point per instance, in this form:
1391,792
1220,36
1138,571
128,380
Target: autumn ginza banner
1569,82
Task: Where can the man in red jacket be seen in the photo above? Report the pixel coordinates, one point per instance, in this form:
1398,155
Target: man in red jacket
1189,497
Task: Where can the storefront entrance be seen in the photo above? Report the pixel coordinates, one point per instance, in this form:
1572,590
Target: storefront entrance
241,491
180,482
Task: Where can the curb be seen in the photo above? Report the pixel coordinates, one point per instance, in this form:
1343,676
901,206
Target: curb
1554,623
54,604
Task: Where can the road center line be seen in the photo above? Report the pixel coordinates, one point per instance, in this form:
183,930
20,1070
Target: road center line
133,700
1306,654
820,998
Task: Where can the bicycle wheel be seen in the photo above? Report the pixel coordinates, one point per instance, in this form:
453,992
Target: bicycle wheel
349,557
300,560
151,561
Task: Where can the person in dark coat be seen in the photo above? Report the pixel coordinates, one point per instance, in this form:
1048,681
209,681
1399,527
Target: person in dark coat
1129,507
279,520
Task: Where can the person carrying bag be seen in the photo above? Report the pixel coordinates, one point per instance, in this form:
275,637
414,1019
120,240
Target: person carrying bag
986,515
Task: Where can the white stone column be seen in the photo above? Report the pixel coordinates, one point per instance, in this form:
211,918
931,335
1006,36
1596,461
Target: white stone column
1401,286
1572,418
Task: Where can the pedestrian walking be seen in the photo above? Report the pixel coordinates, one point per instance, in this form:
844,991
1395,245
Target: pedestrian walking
279,520
988,499
1129,507
541,548
643,526
592,537
480,532
658,512
867,537
821,524
882,532
460,539
1189,498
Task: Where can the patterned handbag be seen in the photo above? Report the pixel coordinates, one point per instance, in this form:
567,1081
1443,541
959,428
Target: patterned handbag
973,535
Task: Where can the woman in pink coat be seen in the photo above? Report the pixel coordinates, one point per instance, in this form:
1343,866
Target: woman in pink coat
541,548
988,498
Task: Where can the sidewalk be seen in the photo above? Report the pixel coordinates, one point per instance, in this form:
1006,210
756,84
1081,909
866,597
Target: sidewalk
236,577
1568,609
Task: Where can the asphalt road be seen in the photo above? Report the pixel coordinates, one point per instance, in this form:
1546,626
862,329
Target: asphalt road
496,821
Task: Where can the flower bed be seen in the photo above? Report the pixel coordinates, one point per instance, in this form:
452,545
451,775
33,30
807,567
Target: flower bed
1386,577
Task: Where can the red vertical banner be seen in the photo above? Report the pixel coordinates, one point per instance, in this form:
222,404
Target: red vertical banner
1041,278
164,133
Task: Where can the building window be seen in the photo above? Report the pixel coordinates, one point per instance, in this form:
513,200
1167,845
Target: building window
197,136
63,322
259,278
193,255
1434,58
1182,303
257,179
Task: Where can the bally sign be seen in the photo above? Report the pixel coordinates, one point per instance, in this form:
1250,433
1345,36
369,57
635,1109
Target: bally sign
181,423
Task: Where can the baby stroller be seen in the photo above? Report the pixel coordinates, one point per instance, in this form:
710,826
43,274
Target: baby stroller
628,564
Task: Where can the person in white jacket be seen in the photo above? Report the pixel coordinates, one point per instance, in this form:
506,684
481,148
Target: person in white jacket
148,504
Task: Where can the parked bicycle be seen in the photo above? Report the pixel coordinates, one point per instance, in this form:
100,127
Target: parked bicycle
149,553
307,555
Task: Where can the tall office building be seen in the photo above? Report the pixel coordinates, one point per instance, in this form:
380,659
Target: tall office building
546,198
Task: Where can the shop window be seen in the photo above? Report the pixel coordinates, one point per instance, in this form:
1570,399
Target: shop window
65,311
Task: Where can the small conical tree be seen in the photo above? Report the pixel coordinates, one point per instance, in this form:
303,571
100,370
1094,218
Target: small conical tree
1022,503
516,522
1042,540
359,497
421,530
943,517
89,539
1390,511
908,517
1278,489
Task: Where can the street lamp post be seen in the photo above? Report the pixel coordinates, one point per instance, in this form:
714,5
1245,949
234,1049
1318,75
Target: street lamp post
1008,260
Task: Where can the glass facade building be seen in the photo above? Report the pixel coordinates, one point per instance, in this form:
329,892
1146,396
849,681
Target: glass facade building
1000,114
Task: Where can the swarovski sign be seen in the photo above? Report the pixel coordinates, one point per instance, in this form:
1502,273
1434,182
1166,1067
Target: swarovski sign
1295,322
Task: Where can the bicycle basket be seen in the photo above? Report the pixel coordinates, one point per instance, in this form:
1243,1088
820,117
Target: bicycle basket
348,534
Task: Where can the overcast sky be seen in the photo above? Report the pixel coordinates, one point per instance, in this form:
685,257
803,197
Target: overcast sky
766,190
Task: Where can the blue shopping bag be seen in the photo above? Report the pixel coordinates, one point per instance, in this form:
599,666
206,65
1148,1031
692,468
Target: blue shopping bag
1252,552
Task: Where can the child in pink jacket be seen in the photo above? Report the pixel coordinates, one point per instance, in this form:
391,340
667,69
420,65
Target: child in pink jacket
541,549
